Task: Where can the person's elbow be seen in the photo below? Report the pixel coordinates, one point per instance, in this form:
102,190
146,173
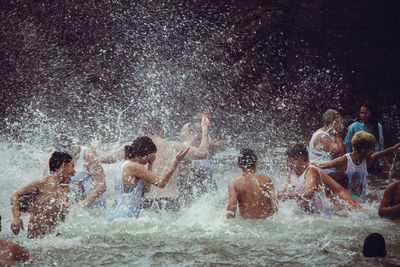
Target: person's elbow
382,212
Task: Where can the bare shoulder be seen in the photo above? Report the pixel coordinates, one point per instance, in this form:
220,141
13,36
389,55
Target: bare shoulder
264,179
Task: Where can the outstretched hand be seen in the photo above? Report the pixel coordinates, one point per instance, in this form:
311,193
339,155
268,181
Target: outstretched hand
97,142
182,154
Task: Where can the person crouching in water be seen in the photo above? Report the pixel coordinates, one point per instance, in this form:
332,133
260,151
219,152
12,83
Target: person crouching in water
132,177
49,198
306,181
355,164
254,192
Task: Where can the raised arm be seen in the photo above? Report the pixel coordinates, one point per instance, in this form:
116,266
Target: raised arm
340,163
382,153
232,204
385,210
137,170
31,188
96,170
202,151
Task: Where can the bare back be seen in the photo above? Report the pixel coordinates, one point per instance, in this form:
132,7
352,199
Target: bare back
255,195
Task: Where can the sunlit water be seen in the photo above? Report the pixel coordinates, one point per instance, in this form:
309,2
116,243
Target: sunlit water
199,235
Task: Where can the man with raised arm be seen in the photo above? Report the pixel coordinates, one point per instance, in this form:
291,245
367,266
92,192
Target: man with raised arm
169,197
49,198
253,192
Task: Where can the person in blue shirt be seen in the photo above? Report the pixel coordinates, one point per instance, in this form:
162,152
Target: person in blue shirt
369,123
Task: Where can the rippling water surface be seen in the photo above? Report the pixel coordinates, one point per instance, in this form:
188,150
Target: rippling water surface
200,235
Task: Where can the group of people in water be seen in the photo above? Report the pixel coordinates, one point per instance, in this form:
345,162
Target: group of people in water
325,178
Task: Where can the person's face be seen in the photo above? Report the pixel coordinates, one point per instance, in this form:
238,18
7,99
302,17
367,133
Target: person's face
150,157
338,124
293,164
365,114
68,171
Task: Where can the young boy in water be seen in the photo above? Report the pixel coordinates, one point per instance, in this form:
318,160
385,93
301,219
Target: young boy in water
50,198
355,164
254,192
390,204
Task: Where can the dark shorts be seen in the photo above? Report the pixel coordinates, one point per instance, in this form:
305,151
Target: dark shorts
340,178
163,203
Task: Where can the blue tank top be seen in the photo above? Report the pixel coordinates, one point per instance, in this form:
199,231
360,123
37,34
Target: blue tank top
128,200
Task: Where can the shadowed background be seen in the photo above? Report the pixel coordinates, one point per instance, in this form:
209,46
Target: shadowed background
264,67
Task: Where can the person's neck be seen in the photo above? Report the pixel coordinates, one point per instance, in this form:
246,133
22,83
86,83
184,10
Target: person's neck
356,158
301,169
248,172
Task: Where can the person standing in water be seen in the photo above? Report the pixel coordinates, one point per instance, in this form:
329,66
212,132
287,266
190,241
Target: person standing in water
88,185
390,204
326,144
368,123
198,173
305,181
254,192
50,202
132,177
356,163
169,197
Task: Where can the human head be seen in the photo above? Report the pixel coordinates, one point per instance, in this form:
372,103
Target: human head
196,121
374,246
333,119
363,141
297,156
368,113
57,160
329,116
247,159
140,147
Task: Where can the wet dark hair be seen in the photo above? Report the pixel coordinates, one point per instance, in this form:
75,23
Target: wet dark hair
247,159
140,147
296,151
375,116
374,246
57,159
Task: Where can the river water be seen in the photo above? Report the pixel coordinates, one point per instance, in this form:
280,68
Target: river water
200,235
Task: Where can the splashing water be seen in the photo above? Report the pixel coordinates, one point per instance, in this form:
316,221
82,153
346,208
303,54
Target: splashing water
108,68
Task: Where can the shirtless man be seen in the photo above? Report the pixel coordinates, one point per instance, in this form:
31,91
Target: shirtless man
390,204
355,164
254,192
11,252
50,198
313,187
168,197
327,144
